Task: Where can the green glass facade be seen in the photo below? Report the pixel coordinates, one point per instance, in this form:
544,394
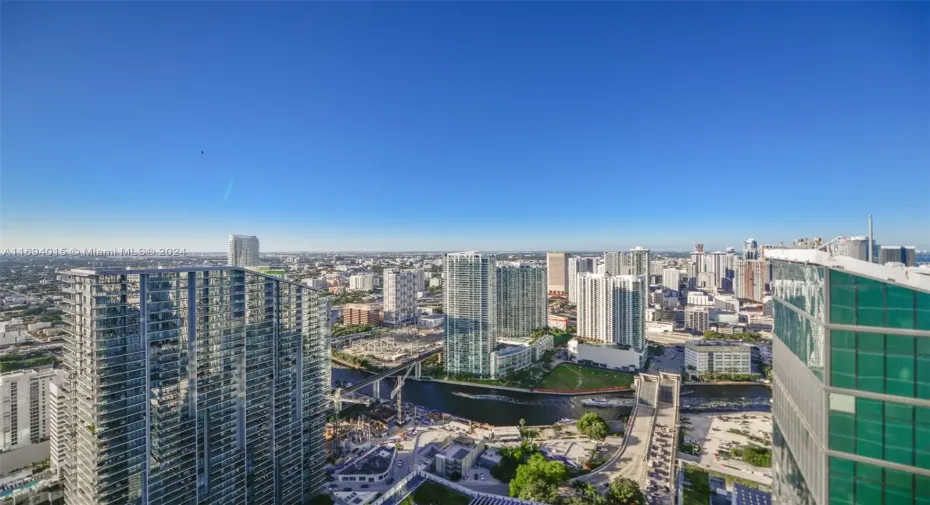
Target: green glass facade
867,348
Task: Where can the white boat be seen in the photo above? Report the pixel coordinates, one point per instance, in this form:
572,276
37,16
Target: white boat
603,402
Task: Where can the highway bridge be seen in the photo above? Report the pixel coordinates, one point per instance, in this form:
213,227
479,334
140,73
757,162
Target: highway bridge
412,365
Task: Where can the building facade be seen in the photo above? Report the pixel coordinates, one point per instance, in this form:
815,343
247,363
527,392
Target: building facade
906,255
557,272
400,296
243,251
616,263
362,282
717,357
639,262
576,266
470,305
612,309
749,279
697,319
361,313
24,411
851,383
522,300
671,278
197,385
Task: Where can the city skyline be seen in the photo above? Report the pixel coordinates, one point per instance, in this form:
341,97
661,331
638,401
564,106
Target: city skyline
273,112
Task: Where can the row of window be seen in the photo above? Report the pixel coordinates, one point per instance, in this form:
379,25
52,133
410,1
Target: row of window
892,364
865,302
889,431
853,483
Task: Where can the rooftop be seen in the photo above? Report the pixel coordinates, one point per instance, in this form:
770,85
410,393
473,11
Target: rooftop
718,346
375,462
749,496
913,278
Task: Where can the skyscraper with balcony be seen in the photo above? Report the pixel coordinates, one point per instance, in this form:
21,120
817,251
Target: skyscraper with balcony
639,262
578,265
202,385
851,384
400,296
612,309
243,251
470,304
616,263
522,302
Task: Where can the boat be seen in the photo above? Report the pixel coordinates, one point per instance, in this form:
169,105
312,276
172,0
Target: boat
604,402
686,392
566,420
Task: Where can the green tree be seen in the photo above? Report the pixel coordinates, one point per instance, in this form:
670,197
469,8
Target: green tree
624,491
593,426
538,479
320,499
455,476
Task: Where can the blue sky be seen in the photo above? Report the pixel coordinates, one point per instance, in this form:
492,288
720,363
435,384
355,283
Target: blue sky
410,126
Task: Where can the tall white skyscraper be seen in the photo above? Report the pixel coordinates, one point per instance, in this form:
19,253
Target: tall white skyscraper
522,301
470,304
715,264
362,282
671,278
616,263
612,309
243,251
578,265
639,262
400,296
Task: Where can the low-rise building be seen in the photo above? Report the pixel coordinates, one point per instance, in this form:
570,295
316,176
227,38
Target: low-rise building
659,327
697,319
362,282
517,353
604,355
558,322
727,303
459,456
376,465
431,320
700,298
361,313
715,357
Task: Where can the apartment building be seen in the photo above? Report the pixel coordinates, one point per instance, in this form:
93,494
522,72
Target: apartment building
716,357
400,296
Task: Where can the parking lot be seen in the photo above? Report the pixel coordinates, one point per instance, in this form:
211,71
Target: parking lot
716,434
671,361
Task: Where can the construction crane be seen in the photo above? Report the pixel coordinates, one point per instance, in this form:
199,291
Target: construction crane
398,388
337,400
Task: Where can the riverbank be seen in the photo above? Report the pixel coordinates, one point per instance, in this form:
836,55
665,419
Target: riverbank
539,391
727,383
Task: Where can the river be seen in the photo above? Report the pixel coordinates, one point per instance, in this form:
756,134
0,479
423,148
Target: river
506,408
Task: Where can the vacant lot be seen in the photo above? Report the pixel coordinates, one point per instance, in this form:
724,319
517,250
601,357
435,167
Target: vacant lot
569,376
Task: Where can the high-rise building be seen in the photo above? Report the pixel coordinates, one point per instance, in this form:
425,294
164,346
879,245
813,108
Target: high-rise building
750,279
612,309
362,282
24,407
851,384
243,251
751,250
616,263
906,255
853,247
671,278
699,248
200,385
639,262
470,304
715,264
557,272
578,265
521,299
400,296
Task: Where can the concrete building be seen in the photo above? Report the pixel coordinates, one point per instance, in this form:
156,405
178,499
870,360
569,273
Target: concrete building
577,266
558,322
616,263
605,355
205,385
55,391
751,250
361,313
715,264
850,389
907,255
400,296
470,304
242,251
726,303
750,279
639,262
376,465
699,298
459,456
24,407
506,359
522,301
853,247
697,319
362,282
557,272
716,357
611,309
671,278
432,320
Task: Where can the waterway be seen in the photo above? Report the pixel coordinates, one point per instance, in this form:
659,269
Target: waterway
500,407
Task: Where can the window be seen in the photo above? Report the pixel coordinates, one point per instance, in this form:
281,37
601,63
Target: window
889,431
856,300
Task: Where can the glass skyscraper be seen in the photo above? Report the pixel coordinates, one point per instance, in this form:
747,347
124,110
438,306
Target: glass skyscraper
192,386
522,300
470,304
851,388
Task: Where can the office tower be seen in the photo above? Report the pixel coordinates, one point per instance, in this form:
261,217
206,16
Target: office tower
750,279
853,247
671,278
851,385
470,304
751,249
199,385
639,262
24,407
715,264
612,309
557,272
694,269
362,282
576,266
400,296
521,299
361,313
243,251
896,254
616,263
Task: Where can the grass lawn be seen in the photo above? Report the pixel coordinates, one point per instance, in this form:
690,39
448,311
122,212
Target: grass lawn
697,492
569,376
430,493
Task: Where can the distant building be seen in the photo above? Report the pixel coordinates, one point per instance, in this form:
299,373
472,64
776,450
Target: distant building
459,456
727,303
611,309
24,407
605,355
577,266
697,319
750,279
431,320
616,263
361,313
400,296
906,255
470,305
852,247
671,278
718,357
558,322
362,282
557,272
751,250
376,465
514,354
699,298
639,262
243,251
521,299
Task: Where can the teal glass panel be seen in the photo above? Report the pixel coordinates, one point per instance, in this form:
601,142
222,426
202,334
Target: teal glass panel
869,438
871,370
922,437
843,432
923,311
842,298
868,484
842,481
843,339
921,490
899,307
900,344
922,372
899,487
899,433
900,375
870,302
843,368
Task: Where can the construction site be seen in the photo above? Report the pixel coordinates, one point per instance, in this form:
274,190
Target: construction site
389,349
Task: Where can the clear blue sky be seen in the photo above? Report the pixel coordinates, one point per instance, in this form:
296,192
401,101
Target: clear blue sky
406,126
